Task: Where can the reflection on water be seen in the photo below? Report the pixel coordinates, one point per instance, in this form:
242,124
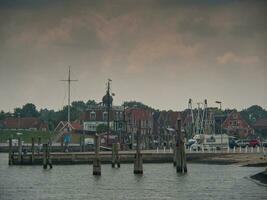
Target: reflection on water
159,181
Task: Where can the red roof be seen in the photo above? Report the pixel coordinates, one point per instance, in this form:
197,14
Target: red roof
76,125
24,123
139,114
260,124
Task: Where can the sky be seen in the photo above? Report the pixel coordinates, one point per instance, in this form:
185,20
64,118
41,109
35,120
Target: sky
159,52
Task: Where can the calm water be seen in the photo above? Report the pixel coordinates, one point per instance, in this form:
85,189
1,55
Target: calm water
159,181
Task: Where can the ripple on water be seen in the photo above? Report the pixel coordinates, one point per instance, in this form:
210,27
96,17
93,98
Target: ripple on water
159,181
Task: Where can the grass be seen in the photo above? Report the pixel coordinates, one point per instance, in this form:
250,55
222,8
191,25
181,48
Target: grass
27,135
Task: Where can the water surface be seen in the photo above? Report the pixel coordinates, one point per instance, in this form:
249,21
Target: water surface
159,181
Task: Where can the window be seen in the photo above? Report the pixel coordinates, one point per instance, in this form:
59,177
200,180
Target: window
234,123
92,115
117,116
105,116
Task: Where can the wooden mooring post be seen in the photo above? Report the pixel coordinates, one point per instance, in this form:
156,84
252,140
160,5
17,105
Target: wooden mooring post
81,149
181,166
174,149
10,153
138,161
32,149
115,155
62,143
19,151
96,161
39,145
46,156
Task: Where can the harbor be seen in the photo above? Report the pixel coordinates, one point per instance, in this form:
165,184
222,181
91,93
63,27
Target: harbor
159,181
133,100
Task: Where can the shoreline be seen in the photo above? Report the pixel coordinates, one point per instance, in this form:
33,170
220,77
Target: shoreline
260,178
243,160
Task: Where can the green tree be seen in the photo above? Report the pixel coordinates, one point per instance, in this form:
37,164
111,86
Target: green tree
79,105
2,115
253,113
29,110
101,128
91,103
17,112
136,104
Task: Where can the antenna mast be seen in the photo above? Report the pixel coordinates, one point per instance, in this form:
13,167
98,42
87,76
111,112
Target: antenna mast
69,80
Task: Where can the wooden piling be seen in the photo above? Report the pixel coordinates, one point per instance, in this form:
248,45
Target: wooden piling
81,144
32,157
39,145
49,160
181,166
96,162
174,149
19,150
10,152
115,155
62,143
45,156
138,161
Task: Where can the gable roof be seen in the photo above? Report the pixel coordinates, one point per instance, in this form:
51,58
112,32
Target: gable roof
260,124
23,123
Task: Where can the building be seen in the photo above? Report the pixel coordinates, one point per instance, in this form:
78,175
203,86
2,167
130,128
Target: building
134,115
24,123
260,127
235,125
98,115
165,119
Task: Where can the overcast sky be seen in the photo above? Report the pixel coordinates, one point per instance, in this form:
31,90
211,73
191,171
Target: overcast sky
160,52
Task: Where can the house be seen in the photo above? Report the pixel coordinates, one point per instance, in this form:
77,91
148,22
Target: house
64,126
26,123
134,115
166,119
237,126
97,115
260,127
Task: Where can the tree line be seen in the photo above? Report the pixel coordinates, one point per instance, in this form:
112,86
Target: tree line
52,117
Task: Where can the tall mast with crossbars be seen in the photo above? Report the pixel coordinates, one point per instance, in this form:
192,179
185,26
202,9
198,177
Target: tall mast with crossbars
69,80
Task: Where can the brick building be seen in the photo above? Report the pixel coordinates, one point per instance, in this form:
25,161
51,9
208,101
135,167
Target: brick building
24,123
260,127
236,125
97,115
132,117
165,119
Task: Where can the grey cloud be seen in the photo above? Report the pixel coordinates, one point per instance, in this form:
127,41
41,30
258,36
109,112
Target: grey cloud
173,46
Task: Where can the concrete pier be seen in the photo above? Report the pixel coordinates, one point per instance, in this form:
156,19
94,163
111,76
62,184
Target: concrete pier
115,155
96,161
181,166
138,161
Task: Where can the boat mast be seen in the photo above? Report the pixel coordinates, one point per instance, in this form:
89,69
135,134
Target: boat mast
69,80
